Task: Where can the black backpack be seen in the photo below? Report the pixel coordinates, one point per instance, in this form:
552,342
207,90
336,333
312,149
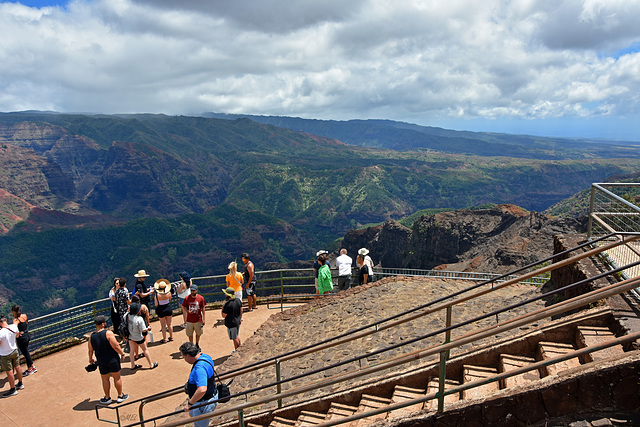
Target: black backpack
123,330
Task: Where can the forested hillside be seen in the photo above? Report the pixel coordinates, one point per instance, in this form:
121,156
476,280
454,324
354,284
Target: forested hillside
85,198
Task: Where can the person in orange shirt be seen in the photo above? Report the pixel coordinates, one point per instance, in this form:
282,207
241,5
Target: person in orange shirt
235,279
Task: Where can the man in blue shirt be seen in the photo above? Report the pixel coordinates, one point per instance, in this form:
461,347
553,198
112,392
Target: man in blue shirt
201,386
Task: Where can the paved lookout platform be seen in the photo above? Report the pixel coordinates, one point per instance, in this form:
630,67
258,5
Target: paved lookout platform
63,393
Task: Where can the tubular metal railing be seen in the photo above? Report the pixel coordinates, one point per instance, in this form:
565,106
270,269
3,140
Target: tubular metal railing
55,331
427,309
612,210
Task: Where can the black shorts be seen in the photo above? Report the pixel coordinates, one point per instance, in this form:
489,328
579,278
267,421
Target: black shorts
111,366
164,310
251,289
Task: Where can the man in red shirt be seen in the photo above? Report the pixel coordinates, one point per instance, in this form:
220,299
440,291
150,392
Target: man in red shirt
193,307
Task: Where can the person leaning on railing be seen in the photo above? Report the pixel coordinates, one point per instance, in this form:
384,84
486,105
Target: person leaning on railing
22,338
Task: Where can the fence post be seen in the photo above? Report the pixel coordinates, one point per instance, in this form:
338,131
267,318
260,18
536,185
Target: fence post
278,386
281,292
241,417
592,199
447,334
441,379
444,356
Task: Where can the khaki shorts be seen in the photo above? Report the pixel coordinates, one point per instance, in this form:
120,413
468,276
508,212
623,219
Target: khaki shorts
8,363
194,327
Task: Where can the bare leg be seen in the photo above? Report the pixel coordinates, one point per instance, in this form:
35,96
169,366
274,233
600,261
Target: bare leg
117,381
19,373
168,320
106,385
133,350
12,379
236,343
163,323
146,353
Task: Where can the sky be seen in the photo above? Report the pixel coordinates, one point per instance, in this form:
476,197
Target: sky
566,68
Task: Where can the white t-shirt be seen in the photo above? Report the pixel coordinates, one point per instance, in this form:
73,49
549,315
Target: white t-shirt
343,262
8,340
369,262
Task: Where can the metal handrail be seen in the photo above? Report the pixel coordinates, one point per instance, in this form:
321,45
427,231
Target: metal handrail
523,320
298,353
487,380
75,322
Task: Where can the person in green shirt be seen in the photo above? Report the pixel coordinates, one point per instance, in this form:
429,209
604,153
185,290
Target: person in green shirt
324,275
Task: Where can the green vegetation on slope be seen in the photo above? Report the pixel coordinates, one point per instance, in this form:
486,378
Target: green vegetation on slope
46,265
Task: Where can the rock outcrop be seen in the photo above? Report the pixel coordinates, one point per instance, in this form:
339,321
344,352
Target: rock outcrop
494,240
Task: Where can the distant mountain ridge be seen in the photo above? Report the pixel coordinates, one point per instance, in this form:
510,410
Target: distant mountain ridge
403,136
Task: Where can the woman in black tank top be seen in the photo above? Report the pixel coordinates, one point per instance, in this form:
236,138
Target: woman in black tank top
23,338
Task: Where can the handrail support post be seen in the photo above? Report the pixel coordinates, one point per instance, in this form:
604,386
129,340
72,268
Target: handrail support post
447,334
441,380
281,292
278,379
241,417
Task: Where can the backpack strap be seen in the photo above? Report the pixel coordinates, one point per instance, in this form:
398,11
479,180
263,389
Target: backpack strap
207,395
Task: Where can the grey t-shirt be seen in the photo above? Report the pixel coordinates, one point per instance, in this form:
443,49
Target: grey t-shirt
136,326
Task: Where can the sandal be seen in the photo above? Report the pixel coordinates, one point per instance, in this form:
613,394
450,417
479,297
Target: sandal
163,341
170,339
154,366
136,367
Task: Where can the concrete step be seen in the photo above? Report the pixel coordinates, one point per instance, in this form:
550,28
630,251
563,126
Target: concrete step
282,422
511,362
432,387
369,402
472,373
587,336
402,394
340,410
308,418
549,350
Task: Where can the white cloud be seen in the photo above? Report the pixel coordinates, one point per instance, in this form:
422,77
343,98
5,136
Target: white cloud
407,60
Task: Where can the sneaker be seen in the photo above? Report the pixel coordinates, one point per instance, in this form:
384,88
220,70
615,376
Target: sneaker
26,372
122,398
12,392
106,401
20,386
32,370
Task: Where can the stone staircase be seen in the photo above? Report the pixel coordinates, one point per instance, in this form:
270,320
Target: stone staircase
508,355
